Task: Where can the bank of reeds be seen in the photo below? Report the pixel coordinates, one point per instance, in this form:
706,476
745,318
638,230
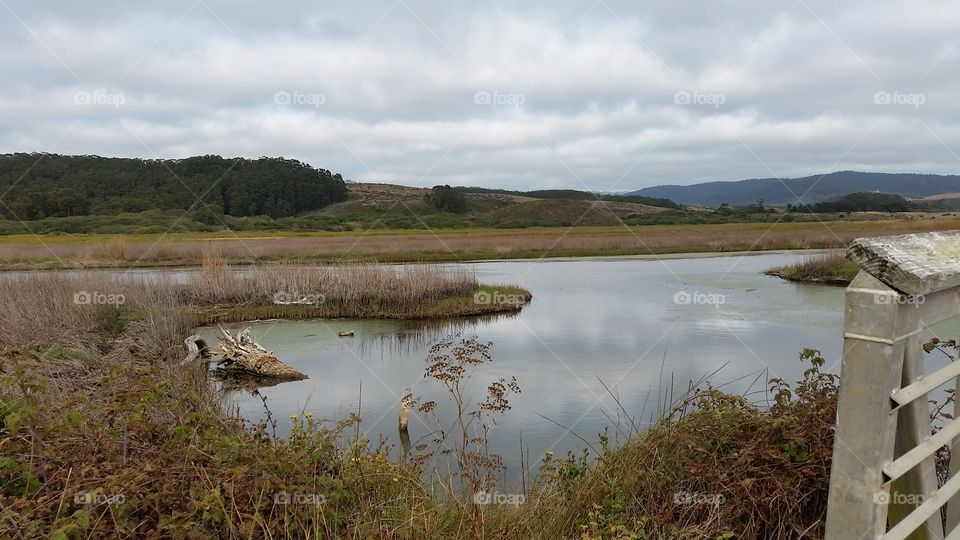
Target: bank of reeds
29,252
832,267
71,304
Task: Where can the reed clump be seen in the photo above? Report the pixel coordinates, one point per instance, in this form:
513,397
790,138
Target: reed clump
832,267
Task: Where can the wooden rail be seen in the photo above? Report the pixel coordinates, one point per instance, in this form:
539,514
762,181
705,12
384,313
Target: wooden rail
883,482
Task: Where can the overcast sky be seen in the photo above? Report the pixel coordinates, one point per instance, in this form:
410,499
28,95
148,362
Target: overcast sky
605,95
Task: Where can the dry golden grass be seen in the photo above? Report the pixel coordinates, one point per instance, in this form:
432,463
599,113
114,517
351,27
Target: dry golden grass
449,245
831,267
40,305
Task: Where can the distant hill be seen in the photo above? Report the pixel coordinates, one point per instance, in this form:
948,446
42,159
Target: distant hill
810,189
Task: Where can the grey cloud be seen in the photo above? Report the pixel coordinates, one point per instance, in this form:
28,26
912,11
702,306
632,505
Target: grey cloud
594,94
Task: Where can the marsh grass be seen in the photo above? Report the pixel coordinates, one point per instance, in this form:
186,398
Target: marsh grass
94,400
86,410
832,267
82,251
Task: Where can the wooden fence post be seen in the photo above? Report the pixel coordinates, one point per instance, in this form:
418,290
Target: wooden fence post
883,435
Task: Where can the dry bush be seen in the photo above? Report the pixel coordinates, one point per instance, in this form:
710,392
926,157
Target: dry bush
716,467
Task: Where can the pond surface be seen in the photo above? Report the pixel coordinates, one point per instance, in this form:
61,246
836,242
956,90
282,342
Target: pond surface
602,339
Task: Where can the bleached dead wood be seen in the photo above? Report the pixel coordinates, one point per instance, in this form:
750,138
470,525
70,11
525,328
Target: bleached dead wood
242,355
911,263
196,350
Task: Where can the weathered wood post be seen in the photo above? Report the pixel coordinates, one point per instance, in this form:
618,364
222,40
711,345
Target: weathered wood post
883,481
406,403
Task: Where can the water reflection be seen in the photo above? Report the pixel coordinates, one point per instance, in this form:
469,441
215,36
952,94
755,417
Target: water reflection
604,342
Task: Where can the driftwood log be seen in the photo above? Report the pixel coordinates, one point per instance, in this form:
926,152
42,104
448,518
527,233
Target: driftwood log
241,355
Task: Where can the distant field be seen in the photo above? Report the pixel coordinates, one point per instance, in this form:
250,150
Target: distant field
88,251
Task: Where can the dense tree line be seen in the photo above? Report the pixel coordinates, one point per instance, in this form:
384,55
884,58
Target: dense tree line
38,186
858,202
576,195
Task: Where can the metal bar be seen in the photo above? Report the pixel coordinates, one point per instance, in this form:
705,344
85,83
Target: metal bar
924,384
923,512
918,481
926,448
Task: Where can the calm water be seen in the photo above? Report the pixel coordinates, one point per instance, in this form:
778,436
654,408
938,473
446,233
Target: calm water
618,322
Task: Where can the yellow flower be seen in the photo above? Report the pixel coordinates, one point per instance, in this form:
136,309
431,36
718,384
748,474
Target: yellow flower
395,479
293,417
309,415
549,453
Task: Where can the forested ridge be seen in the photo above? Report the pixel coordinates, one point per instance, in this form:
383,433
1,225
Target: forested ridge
38,186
